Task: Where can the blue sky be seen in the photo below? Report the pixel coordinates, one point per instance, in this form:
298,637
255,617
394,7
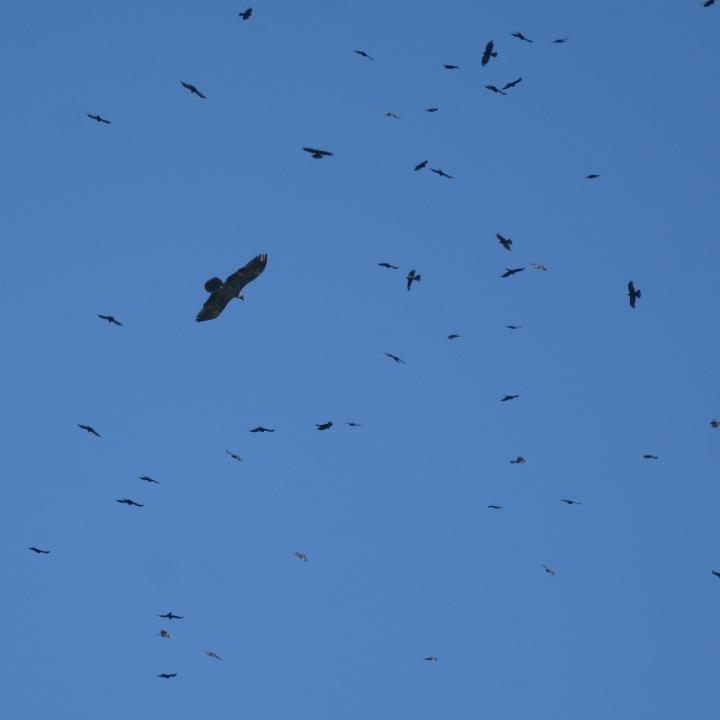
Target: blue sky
405,560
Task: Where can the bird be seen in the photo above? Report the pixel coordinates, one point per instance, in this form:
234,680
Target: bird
317,154
388,266
172,616
451,67
38,550
505,242
391,115
513,327
715,573
431,658
453,336
167,676
549,570
495,89
324,426
505,398
421,165
441,173
488,53
520,36
261,429
650,456
110,318
538,266
633,294
512,84
193,90
511,271
352,424
128,502
567,501
362,53
412,277
211,654
234,456
246,14
715,423
519,460
301,556
495,507
395,358
99,119
592,176
559,41
147,478
708,3
90,429
431,109
221,293
164,634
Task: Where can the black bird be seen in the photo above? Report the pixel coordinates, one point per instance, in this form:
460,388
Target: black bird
488,53
520,36
441,173
431,658
421,165
505,398
592,176
234,456
211,654
164,634
193,90
708,3
567,501
324,426
559,41
453,336
432,109
391,115
395,358
495,507
362,53
512,84
538,266
451,67
147,478
353,424
513,327
260,428
38,550
388,266
317,154
412,277
110,318
715,573
90,429
633,294
519,460
301,556
511,271
221,293
495,89
505,242
167,675
246,14
128,502
99,119
650,456
172,616
715,423
549,570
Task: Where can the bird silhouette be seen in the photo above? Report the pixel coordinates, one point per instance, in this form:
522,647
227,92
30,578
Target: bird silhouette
441,173
38,550
715,423
520,36
234,456
511,271
505,398
633,294
147,478
388,266
431,109
519,460
261,429
496,90
246,14
167,676
211,654
193,90
512,84
112,320
451,67
495,507
301,556
90,429
172,616
391,115
650,456
708,3
431,658
549,570
164,634
538,266
592,176
568,501
324,426
559,41
317,154
128,502
362,53
488,53
353,424
412,277
453,336
715,573
505,242
99,119
421,165
513,327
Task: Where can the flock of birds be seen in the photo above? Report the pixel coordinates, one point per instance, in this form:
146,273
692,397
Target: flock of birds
220,293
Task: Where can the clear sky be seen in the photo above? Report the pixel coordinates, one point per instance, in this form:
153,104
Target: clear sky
405,559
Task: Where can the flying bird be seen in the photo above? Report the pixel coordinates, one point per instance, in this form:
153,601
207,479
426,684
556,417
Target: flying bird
38,550
715,423
512,84
451,67
538,266
650,456
324,426
559,41
110,318
431,109
708,3
147,478
90,429
568,501
488,53
234,456
221,293
193,90
391,115
412,277
128,502
520,36
495,89
167,676
505,398
388,266
549,570
353,424
261,429
431,658
395,358
519,460
211,654
172,616
715,573
511,271
164,634
301,556
453,336
99,119
592,176
421,165
246,14
317,154
495,507
362,53
633,294
441,173
513,327
505,242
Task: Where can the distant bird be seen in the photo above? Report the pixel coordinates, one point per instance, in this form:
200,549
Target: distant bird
650,456
708,3
261,429
715,573
715,423
38,550
421,165
567,501
172,616
431,658
128,502
391,115
388,266
90,429
221,293
559,41
505,398
488,53
317,154
412,277
511,271
234,456
453,336
505,242
246,14
520,36
301,556
110,318
549,570
633,294
441,173
495,89
99,119
353,424
167,676
193,90
538,266
592,176
495,507
164,634
324,426
211,654
512,84
431,109
147,478
513,327
362,53
451,67
519,460
395,358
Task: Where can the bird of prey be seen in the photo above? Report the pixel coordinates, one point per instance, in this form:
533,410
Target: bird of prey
520,36
38,550
512,84
431,658
495,89
431,109
421,165
567,501
301,556
505,242
99,119
362,53
388,266
708,3
454,336
317,154
715,573
488,53
193,90
391,115
167,676
715,423
395,358
511,271
324,426
650,456
441,173
519,460
246,14
412,277
513,327
110,318
451,67
90,429
260,428
592,176
538,266
353,424
147,478
559,41
164,634
633,294
495,507
211,654
128,502
172,616
549,570
221,293
505,398
234,456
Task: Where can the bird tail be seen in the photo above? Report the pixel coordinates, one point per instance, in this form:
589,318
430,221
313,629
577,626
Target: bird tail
638,293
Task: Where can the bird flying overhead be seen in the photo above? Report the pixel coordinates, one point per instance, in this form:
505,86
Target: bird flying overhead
431,109
172,616
246,14
715,423
538,266
488,53
505,242
451,67
353,424
511,271
715,573
512,84
234,456
388,266
421,165
708,3
520,36
592,176
391,115
164,634
568,501
301,556
262,429
633,294
128,502
167,676
211,654
317,154
99,119
519,460
193,90
431,658
221,293
495,507
549,570
453,336
395,358
324,426
147,478
441,173
496,90
110,318
362,53
90,429
559,41
412,277
513,327
505,398
38,550
650,456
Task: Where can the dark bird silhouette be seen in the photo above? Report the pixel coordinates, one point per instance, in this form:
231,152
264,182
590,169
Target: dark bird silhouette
234,456
412,277
441,173
128,502
568,501
520,36
246,14
221,293
388,266
391,115
511,271
513,327
708,3
592,176
495,507
317,154
167,676
715,573
260,428
451,67
395,358
431,109
301,556
519,460
715,423
505,398
164,634
421,165
559,41
90,429
495,89
110,318
38,550
353,424
538,266
488,53
512,84
362,53
505,242
193,90
453,336
99,119
324,426
172,616
211,654
549,570
147,478
633,294
650,456
431,658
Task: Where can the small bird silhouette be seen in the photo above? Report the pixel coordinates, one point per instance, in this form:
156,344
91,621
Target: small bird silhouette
441,173
421,165
431,658
505,398
650,456
513,327
715,573
110,318
246,14
38,550
519,460
193,90
538,266
301,556
568,501
164,634
511,271
708,3
520,36
559,41
317,154
362,53
431,109
488,53
495,507
388,266
167,676
172,616
261,429
715,423
505,242
234,456
90,429
412,277
99,119
453,336
495,89
128,502
324,426
549,570
633,294
451,67
391,115
512,84
353,424
147,478
592,176
395,358
211,654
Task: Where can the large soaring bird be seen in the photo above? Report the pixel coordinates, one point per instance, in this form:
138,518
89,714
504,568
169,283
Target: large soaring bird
90,429
221,293
193,90
317,154
633,294
98,118
488,53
